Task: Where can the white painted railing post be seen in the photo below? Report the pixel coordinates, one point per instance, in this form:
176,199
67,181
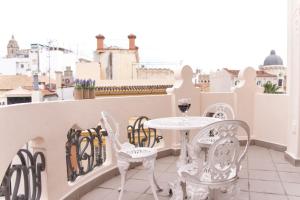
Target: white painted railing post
244,96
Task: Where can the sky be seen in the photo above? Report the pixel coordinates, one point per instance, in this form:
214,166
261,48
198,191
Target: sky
205,34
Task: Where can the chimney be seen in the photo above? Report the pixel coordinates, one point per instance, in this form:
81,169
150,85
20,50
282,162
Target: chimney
100,43
131,38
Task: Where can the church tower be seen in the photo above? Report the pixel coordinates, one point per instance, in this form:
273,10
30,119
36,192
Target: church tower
12,48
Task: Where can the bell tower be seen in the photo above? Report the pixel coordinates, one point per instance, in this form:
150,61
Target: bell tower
12,48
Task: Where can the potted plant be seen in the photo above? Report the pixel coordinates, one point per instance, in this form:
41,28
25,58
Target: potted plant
78,91
85,89
92,89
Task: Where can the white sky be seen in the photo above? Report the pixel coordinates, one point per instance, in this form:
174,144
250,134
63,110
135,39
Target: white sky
207,34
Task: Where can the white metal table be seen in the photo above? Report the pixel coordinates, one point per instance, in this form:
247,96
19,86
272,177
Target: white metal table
184,125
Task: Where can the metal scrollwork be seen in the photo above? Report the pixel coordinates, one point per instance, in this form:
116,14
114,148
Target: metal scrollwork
140,136
85,150
22,180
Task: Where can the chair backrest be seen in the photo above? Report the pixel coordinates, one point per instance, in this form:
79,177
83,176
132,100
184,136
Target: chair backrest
112,128
140,136
219,110
224,155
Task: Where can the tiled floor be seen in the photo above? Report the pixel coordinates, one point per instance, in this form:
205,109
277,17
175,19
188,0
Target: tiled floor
265,176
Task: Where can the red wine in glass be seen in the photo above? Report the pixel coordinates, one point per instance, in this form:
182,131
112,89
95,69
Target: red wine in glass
184,105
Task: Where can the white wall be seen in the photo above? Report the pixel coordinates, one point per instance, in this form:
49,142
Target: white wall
220,81
271,118
90,70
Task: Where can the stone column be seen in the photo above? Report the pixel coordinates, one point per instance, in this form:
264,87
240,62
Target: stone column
293,140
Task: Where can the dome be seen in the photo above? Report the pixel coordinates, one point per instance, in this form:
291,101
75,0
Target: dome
13,43
273,59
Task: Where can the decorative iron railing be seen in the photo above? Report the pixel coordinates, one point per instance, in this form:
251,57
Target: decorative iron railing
85,150
22,180
141,136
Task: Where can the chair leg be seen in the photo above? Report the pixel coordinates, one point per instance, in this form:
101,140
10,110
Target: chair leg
149,165
123,168
156,184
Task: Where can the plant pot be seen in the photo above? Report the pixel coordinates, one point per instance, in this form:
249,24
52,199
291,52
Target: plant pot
78,94
92,93
86,93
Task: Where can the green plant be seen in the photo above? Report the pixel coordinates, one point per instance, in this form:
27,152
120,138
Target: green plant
271,88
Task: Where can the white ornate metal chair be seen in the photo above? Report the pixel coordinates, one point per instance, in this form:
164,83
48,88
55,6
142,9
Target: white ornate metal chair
219,110
127,153
219,174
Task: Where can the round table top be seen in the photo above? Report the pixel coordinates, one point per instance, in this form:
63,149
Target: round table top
180,123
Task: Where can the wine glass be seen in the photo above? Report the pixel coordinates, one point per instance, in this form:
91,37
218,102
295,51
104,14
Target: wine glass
184,105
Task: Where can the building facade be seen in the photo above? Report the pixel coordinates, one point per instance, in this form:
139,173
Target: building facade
115,63
39,59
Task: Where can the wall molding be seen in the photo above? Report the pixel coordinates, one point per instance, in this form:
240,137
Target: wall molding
291,159
268,145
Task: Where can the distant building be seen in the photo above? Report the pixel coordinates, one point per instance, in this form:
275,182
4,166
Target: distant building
202,82
19,89
223,80
115,63
272,71
38,59
273,65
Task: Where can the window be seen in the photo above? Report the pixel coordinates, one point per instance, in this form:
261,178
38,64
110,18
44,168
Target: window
22,66
258,83
280,82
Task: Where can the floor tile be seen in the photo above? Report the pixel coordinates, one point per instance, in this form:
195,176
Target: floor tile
287,168
169,159
135,185
161,167
172,169
263,175
165,189
264,196
293,198
127,195
143,174
277,157
113,183
290,177
150,197
96,194
261,165
243,195
243,184
243,173
167,177
292,188
273,187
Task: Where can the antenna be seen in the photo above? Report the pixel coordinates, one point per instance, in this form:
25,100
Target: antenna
49,55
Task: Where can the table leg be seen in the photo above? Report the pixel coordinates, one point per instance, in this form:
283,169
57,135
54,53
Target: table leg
183,157
177,187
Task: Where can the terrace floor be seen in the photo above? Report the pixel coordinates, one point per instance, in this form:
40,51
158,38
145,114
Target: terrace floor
265,176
